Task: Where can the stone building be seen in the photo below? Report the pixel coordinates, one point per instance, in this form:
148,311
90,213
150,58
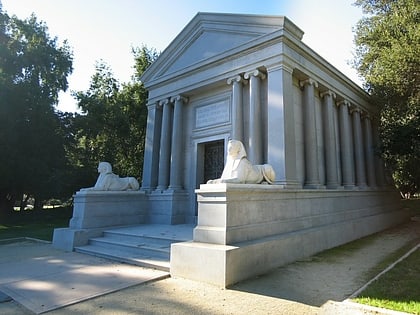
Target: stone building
248,78
251,78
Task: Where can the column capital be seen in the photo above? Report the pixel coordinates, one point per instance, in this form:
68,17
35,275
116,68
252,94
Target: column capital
164,101
254,73
237,78
161,103
355,109
308,81
328,93
178,98
152,105
342,103
366,115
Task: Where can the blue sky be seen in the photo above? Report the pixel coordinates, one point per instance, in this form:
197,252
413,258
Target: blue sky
107,29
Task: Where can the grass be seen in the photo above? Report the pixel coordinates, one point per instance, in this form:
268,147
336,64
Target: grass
36,224
398,289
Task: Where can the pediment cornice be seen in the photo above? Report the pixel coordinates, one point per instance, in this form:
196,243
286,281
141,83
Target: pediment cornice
210,36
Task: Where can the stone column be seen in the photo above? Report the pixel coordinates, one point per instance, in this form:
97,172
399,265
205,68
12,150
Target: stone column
255,141
237,108
346,146
176,146
310,134
359,155
330,139
281,139
151,148
369,150
165,146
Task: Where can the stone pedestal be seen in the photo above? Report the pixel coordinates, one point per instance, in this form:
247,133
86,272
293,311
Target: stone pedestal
247,230
94,211
167,207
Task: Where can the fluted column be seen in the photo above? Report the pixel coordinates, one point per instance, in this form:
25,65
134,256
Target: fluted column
165,146
359,155
151,148
346,146
310,134
281,136
176,146
369,150
255,141
330,139
237,108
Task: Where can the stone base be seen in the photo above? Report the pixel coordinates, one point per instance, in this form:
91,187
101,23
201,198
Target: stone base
247,230
94,211
167,207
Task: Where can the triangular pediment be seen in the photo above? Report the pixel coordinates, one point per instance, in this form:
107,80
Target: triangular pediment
209,35
208,44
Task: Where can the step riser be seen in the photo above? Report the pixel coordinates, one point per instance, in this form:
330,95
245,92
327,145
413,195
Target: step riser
130,249
145,245
139,239
122,259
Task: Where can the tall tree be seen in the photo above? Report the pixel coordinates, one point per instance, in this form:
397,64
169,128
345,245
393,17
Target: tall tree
388,57
113,123
33,70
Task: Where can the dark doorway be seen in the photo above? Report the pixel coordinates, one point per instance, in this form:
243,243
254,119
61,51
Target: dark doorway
214,159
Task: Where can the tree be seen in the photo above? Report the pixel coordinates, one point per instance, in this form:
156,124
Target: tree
33,70
112,127
388,57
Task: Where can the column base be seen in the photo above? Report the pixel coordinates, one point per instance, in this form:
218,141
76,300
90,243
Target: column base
314,186
288,184
350,187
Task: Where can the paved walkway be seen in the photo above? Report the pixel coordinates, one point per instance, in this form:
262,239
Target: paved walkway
40,278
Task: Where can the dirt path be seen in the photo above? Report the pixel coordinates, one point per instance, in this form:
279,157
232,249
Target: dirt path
304,287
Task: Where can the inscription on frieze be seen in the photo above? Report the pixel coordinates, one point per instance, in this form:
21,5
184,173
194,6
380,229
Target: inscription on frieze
213,114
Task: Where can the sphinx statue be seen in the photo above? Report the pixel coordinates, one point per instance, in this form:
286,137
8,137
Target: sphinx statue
108,181
238,169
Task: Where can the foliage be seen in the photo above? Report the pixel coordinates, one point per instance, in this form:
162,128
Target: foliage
112,126
33,70
403,279
388,57
48,154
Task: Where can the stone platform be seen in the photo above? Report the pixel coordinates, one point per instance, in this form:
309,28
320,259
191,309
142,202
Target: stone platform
95,211
247,230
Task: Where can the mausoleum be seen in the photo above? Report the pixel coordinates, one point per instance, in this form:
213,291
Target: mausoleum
250,78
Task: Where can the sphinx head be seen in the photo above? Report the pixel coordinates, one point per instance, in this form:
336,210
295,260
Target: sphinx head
236,149
104,168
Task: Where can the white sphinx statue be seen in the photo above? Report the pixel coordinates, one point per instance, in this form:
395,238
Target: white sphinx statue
110,181
238,168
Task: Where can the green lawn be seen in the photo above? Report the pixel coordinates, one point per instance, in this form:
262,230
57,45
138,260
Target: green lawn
37,224
397,289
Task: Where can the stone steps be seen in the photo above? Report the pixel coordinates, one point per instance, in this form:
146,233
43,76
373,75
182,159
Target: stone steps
144,245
